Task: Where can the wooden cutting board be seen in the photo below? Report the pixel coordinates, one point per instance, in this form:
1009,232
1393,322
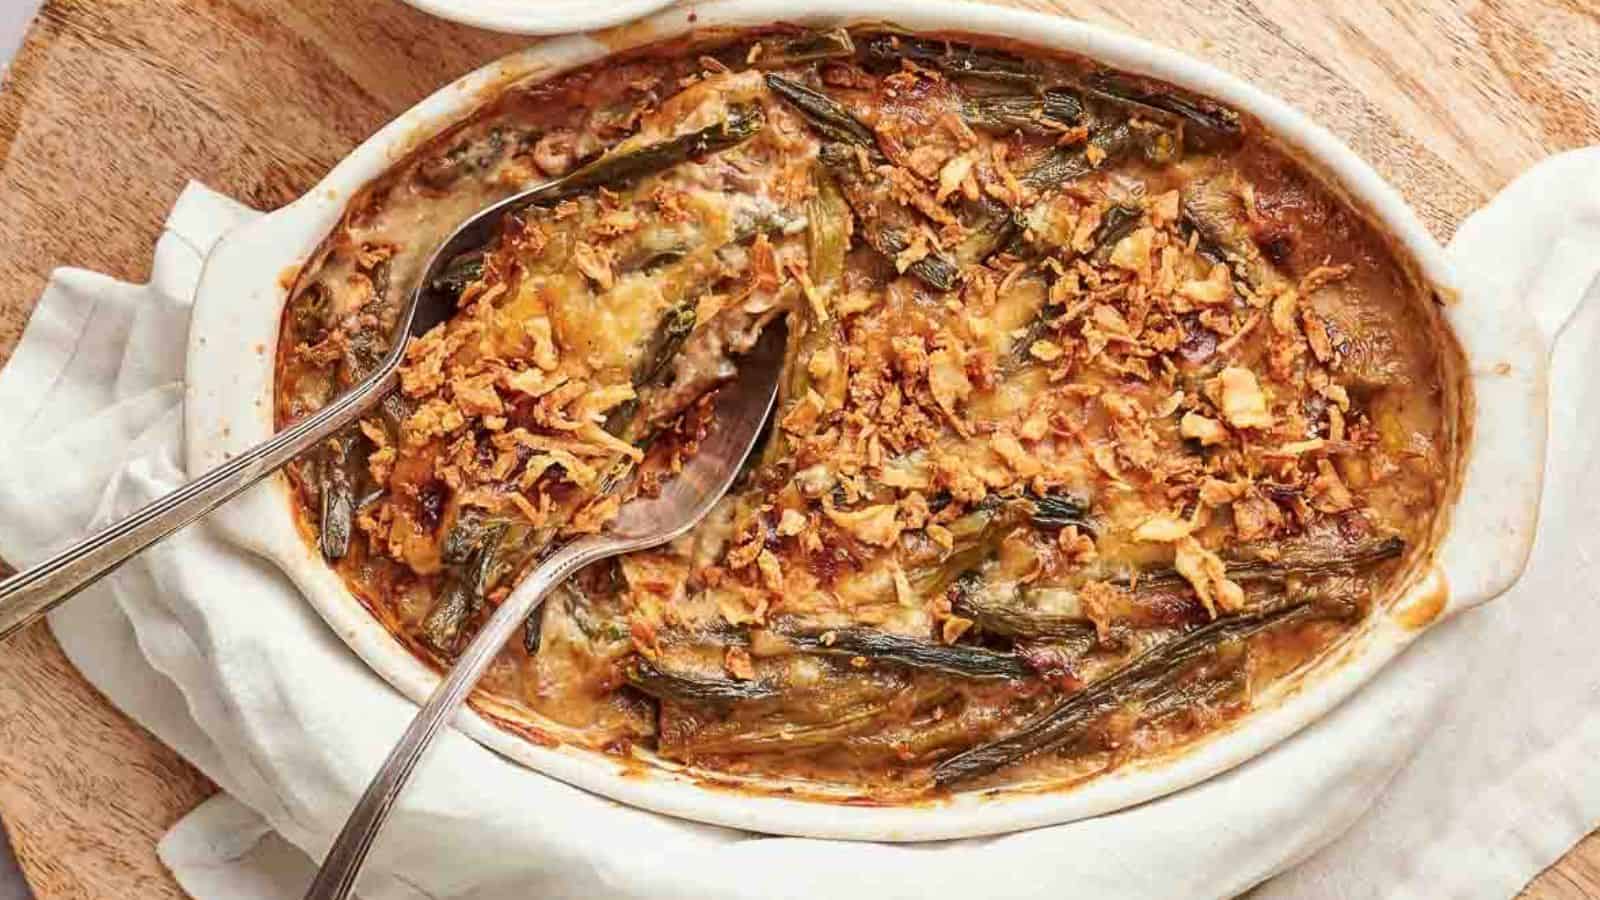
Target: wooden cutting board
112,105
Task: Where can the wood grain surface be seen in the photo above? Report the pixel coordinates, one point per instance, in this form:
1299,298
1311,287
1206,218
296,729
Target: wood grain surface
113,105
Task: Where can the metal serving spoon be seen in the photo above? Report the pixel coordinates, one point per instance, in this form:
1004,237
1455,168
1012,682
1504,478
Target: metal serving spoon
29,594
741,411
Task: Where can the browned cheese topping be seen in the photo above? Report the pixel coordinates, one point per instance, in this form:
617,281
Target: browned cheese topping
1102,416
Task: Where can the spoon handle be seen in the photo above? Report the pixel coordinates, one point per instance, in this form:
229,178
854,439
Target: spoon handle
343,862
29,594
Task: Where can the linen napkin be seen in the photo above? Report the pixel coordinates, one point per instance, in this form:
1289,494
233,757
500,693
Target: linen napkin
1461,770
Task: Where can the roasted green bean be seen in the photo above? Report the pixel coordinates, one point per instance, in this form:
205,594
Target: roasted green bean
1291,563
825,114
970,597
886,224
953,659
1203,113
1147,674
701,689
810,47
624,165
1065,164
959,60
1117,221
339,473
1032,113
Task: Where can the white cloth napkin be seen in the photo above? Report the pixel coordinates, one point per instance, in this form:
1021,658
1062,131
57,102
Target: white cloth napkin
1460,771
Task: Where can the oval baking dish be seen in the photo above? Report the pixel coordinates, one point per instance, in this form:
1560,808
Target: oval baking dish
1485,537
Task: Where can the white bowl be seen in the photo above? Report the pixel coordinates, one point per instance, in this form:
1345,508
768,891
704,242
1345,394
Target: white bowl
1483,551
539,16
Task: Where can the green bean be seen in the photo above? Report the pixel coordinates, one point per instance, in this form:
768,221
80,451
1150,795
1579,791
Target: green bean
1161,146
1064,164
810,47
885,222
952,659
442,171
339,476
824,114
695,689
1000,227
787,736
995,226
934,270
533,631
1058,509
473,552
1148,674
1205,241
478,551
467,536
1206,114
1115,224
1312,564
959,60
976,538
665,343
827,229
459,272
626,164
838,707
441,628
1032,113
309,311
971,598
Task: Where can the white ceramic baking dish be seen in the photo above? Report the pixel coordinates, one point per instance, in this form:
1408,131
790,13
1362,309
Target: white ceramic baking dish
1483,550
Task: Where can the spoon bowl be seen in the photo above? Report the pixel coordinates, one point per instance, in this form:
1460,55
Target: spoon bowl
26,596
740,415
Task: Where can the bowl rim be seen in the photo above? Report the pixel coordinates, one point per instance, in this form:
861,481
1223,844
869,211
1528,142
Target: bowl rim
241,294
535,17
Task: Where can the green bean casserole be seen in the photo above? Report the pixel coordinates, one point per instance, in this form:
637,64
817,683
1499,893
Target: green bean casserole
1102,414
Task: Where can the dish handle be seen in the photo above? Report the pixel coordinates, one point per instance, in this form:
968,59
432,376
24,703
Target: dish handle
1528,266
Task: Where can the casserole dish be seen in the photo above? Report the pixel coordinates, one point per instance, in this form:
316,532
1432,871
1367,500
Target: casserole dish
1479,555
